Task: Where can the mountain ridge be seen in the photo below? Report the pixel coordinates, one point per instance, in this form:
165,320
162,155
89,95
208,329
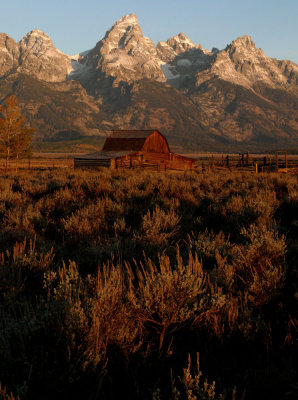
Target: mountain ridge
236,95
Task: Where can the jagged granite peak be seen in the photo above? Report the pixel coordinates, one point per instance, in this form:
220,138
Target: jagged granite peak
278,72
180,43
9,54
181,58
125,54
7,43
127,35
243,64
174,46
125,21
38,56
35,40
243,41
244,47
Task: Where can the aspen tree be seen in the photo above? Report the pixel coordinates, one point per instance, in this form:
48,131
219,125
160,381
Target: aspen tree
15,137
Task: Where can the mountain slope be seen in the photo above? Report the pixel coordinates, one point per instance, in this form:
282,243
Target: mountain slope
235,98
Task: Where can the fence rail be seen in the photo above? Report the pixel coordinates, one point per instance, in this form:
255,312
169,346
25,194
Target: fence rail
279,163
212,164
40,164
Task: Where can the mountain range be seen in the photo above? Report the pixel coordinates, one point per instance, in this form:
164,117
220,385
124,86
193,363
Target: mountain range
232,99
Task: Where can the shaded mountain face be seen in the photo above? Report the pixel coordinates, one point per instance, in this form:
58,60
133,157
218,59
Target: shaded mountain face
235,98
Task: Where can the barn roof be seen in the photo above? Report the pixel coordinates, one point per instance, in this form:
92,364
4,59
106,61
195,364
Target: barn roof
131,134
127,140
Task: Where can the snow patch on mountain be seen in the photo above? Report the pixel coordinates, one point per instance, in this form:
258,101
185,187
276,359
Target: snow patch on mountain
78,65
169,72
184,62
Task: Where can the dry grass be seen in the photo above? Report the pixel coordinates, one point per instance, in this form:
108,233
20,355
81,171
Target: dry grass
108,279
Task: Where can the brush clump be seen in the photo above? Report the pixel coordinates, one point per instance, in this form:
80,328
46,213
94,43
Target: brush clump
110,281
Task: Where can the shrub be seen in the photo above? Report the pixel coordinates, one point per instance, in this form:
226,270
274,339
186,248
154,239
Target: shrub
159,226
148,267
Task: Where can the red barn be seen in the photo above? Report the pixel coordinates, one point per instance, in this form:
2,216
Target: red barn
135,149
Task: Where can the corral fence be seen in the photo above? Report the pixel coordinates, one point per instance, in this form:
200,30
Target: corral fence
40,164
160,165
279,162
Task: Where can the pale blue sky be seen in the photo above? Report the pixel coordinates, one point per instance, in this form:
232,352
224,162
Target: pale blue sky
76,25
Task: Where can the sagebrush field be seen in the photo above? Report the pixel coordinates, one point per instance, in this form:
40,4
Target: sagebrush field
137,285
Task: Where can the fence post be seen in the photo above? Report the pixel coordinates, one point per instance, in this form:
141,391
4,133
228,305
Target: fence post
112,164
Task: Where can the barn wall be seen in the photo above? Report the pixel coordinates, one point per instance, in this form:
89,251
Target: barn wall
156,143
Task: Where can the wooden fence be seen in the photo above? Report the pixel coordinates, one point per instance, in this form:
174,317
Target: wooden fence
213,164
41,164
247,163
153,163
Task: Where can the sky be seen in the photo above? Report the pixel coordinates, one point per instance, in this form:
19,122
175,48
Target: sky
77,25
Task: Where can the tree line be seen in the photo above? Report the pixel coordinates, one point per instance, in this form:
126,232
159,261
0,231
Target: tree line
15,134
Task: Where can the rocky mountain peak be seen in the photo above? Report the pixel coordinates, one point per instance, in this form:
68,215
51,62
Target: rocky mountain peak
37,33
4,38
127,20
243,64
244,46
127,35
9,53
125,53
7,44
36,40
180,42
175,46
38,56
243,41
